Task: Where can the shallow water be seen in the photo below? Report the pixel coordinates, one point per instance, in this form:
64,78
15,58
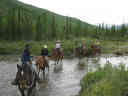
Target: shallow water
62,80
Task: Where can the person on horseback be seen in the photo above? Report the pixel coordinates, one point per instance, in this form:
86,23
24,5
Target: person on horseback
27,66
98,46
83,48
97,43
44,52
95,46
83,45
58,47
26,54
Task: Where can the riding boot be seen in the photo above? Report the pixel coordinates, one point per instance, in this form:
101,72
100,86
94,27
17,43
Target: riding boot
37,78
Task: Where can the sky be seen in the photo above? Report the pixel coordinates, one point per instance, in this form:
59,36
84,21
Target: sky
90,11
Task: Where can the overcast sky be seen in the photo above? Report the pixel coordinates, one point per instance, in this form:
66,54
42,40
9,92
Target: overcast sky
91,11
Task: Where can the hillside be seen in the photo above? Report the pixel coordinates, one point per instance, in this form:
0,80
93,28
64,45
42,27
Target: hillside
6,5
51,21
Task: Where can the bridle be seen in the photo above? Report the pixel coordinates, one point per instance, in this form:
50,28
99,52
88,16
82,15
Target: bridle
23,82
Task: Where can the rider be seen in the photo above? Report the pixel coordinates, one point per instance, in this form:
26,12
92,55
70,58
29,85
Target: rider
27,67
58,47
26,54
44,52
83,47
97,43
83,44
92,44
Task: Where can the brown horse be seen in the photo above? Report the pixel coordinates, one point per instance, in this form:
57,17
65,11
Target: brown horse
41,63
95,49
56,56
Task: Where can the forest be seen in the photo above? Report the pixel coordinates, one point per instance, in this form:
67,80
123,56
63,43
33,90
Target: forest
20,24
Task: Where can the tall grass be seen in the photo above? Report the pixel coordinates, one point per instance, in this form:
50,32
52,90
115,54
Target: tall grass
16,47
107,81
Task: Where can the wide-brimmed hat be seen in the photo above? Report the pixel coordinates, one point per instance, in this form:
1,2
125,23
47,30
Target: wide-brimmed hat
58,41
45,46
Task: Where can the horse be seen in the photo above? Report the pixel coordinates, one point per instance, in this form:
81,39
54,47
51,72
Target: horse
57,56
26,80
41,64
80,52
95,49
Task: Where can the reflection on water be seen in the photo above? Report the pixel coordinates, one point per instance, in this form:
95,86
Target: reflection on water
62,80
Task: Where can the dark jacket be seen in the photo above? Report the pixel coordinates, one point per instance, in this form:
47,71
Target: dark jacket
26,52
44,52
25,56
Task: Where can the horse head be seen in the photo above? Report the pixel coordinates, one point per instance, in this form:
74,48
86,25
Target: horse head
24,76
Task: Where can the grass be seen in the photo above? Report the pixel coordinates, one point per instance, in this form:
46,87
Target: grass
106,81
67,46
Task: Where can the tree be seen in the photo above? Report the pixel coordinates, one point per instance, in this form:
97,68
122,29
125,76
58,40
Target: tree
123,30
19,24
53,27
41,27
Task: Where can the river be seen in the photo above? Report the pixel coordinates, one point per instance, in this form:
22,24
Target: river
62,79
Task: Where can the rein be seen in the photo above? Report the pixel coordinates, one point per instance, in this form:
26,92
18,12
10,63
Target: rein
33,74
33,79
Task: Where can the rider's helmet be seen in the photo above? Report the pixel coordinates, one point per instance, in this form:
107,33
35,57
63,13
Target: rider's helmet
27,46
45,46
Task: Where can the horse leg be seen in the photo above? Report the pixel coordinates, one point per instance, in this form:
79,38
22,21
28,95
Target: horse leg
39,72
98,51
55,61
48,67
61,59
58,60
47,64
43,72
29,91
21,91
37,68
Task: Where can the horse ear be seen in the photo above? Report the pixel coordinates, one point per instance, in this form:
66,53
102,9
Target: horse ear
18,66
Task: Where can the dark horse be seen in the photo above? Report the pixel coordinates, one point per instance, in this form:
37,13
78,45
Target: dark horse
41,64
57,56
80,52
95,49
26,79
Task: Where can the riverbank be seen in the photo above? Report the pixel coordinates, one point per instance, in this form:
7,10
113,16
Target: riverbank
106,81
67,45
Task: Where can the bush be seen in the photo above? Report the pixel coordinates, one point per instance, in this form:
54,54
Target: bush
107,81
